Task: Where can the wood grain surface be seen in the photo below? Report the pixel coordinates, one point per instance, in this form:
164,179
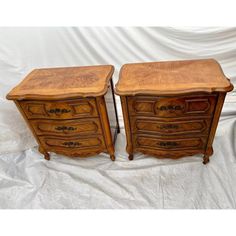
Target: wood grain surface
68,82
172,77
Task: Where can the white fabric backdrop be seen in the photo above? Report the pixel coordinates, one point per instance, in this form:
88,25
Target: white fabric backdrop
28,181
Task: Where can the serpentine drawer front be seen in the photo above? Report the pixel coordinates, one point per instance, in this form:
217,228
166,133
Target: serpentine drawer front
88,126
176,127
74,146
171,109
53,142
60,110
70,111
169,143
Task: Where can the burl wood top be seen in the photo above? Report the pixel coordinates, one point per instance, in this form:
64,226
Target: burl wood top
172,77
67,82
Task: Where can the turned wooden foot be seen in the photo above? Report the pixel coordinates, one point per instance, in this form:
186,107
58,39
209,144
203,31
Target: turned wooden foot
131,157
112,157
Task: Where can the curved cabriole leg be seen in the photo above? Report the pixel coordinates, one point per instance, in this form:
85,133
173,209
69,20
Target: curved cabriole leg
129,150
205,159
207,155
131,157
46,154
112,157
111,152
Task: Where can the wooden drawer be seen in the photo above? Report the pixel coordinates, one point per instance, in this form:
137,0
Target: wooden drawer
171,127
72,143
180,106
169,143
60,109
89,126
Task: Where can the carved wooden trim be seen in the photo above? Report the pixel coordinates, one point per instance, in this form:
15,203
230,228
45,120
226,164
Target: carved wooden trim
187,101
59,109
77,153
173,93
89,126
170,143
171,105
70,143
174,125
73,106
174,154
136,101
30,105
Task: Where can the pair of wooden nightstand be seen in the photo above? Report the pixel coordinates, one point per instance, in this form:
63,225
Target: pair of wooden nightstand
170,109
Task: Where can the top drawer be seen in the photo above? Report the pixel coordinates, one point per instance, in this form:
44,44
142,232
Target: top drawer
172,106
60,109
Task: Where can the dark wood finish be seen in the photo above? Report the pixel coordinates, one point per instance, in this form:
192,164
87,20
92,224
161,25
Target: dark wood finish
65,109
171,109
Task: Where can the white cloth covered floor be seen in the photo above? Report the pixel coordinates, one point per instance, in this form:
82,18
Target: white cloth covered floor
29,181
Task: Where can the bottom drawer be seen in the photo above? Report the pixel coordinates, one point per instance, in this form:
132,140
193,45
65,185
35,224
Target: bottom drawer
73,146
169,143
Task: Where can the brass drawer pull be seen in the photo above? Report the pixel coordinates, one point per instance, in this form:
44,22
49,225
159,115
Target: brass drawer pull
58,111
71,144
169,126
170,108
168,144
63,128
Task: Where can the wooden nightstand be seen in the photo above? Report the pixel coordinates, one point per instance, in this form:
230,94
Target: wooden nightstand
70,111
171,109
